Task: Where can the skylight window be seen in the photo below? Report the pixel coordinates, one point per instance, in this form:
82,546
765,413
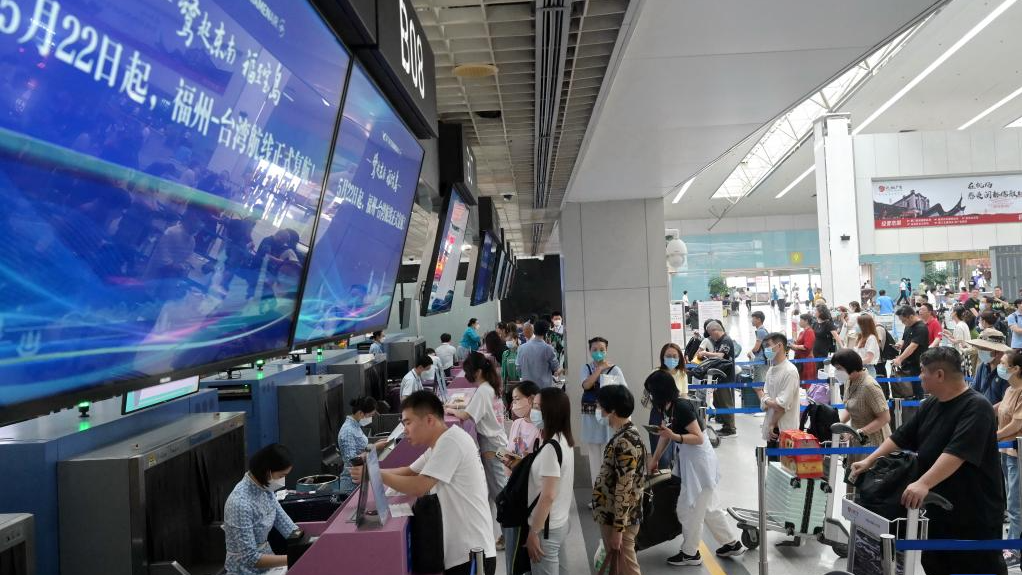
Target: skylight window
791,129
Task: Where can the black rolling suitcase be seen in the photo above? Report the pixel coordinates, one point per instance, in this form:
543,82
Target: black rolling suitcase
659,515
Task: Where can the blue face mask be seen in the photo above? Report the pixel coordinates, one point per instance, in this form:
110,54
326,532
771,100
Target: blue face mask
599,356
769,353
671,362
536,416
1002,372
600,417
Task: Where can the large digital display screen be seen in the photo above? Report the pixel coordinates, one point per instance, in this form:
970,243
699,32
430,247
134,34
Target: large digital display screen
485,262
498,277
439,288
161,164
361,231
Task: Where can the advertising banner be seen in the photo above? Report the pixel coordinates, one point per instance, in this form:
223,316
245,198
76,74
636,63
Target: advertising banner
921,202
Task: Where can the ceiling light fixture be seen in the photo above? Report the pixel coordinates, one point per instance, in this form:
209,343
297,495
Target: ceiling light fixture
684,188
797,181
936,63
986,112
1016,124
466,247
475,70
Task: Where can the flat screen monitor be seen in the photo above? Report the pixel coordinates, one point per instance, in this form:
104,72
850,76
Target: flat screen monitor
481,283
157,394
439,286
161,165
360,234
498,277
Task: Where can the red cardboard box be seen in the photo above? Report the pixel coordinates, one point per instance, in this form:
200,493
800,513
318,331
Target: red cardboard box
803,466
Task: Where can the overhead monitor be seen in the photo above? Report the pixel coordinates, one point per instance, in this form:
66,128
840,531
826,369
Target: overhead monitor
161,164
360,234
157,394
442,273
498,277
483,275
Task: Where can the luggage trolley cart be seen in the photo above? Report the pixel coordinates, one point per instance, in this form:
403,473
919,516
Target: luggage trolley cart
799,508
871,549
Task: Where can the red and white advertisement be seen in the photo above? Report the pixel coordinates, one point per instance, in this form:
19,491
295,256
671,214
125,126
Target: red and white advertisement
963,200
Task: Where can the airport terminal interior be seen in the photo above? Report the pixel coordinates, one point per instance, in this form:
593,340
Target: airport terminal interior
380,287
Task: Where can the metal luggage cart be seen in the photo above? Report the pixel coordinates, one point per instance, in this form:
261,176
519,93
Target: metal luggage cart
813,519
871,549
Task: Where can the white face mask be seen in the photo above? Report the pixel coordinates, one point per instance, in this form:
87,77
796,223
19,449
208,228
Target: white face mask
601,417
557,323
841,376
365,421
276,484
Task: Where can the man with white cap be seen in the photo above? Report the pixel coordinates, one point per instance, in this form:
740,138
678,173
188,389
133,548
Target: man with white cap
990,346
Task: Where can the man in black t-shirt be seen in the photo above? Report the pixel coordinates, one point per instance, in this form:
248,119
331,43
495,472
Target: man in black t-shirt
914,342
955,438
723,348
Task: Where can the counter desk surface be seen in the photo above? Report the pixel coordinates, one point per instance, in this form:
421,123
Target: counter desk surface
344,549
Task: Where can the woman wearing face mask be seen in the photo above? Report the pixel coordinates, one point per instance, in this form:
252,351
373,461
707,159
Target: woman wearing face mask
1009,426
595,432
522,439
509,357
483,409
252,510
670,363
803,346
696,464
352,440
865,404
867,343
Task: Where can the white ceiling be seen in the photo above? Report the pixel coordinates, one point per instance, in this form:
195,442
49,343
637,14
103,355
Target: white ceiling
979,75
696,78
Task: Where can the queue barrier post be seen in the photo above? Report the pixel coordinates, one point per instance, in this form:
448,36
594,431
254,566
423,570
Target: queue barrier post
897,412
761,472
887,557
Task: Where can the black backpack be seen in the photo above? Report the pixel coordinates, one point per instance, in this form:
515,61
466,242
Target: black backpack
513,506
880,488
819,417
888,352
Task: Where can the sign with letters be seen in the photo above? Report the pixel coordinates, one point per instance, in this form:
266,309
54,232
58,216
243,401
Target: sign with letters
961,200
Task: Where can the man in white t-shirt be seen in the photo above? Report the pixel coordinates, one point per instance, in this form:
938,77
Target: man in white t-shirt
450,468
412,381
780,394
446,353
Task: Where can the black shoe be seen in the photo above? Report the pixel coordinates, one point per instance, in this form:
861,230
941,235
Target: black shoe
682,559
731,550
727,433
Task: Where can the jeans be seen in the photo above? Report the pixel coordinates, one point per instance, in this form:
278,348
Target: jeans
555,553
1009,464
872,370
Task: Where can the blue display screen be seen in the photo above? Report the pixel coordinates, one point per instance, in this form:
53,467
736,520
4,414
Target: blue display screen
161,164
440,284
484,270
361,230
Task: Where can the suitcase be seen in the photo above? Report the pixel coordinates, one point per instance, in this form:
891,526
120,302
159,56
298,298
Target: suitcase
798,504
659,515
749,397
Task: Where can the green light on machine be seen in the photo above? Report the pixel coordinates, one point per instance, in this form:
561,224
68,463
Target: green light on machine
84,425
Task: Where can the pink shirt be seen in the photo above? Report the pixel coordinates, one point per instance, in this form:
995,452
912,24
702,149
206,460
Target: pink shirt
522,437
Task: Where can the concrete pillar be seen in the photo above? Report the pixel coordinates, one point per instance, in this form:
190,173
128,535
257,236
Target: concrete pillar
615,286
836,209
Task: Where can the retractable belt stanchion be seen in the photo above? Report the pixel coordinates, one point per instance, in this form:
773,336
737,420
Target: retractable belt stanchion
761,468
897,412
887,556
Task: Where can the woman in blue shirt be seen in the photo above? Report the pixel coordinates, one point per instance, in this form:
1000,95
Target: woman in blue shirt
352,441
470,340
252,510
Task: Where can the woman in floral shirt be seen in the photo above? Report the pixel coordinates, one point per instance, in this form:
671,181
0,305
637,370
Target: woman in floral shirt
617,493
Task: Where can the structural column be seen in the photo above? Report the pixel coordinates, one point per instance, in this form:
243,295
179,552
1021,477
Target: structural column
836,209
615,285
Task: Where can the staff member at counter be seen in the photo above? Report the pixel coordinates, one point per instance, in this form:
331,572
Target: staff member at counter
451,466
252,510
412,381
352,441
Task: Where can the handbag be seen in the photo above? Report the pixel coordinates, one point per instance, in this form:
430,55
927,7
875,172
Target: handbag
426,534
